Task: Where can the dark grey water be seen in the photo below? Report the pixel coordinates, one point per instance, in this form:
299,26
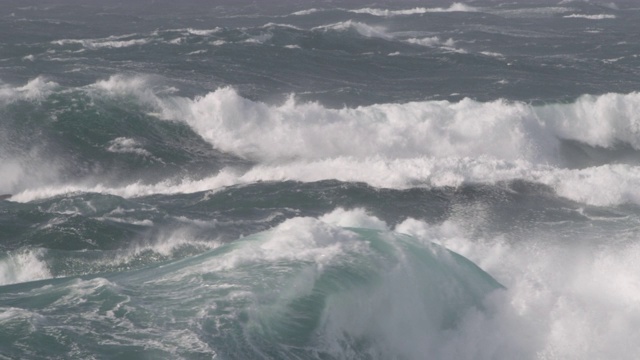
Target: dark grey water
319,180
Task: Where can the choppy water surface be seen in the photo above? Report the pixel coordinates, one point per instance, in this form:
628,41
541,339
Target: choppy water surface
319,180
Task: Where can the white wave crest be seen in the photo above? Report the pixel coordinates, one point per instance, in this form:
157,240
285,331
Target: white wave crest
590,17
428,143
569,299
431,41
127,145
205,32
278,25
290,130
499,129
109,42
362,29
305,12
259,39
602,185
455,7
21,266
36,89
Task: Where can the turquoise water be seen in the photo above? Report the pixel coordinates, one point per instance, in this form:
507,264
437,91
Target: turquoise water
319,180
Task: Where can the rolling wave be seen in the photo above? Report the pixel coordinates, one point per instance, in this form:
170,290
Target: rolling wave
346,284
572,147
324,292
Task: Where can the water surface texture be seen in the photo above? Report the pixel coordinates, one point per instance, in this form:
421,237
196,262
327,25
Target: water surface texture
319,179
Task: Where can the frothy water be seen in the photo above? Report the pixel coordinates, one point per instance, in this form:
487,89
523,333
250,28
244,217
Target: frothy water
304,180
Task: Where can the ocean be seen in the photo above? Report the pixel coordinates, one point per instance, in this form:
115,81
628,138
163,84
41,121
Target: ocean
319,179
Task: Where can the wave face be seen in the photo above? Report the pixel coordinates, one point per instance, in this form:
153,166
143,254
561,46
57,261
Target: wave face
293,291
310,181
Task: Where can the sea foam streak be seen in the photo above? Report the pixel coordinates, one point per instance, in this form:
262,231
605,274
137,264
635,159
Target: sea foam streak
362,29
590,17
602,185
380,32
455,7
109,42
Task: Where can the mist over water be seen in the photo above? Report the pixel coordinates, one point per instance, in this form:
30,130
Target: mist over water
319,180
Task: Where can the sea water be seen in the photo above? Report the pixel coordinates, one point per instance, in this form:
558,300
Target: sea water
320,179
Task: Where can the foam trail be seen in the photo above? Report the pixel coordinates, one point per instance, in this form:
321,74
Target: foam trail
113,42
362,29
604,185
431,41
455,7
305,12
590,17
206,32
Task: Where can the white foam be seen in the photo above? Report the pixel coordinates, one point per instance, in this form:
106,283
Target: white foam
353,218
590,17
145,222
492,54
305,12
299,239
431,41
109,42
36,89
79,289
126,145
362,29
563,299
428,143
120,85
278,25
499,129
22,266
167,244
603,185
380,32
259,39
431,129
205,32
455,7
10,314
197,52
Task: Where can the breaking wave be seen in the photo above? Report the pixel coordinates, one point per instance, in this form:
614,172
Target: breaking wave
455,7
584,149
